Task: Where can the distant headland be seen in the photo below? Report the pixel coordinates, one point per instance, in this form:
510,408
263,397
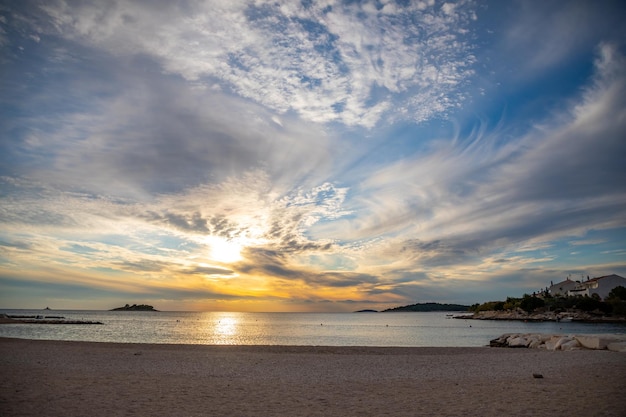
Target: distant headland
134,307
421,307
429,307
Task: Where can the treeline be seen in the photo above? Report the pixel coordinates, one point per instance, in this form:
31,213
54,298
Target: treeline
421,307
614,304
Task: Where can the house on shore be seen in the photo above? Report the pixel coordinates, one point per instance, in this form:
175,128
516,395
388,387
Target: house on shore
561,289
601,286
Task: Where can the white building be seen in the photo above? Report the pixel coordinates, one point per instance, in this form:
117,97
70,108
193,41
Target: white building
601,286
560,289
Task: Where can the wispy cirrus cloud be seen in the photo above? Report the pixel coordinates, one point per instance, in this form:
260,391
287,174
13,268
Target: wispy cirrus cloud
350,62
462,198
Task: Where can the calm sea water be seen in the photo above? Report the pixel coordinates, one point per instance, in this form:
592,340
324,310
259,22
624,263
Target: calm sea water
310,329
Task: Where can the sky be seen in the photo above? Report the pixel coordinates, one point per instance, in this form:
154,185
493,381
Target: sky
330,155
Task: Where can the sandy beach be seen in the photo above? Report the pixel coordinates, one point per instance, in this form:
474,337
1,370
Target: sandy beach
52,378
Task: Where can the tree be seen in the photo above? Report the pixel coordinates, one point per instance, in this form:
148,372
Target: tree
590,304
618,293
530,303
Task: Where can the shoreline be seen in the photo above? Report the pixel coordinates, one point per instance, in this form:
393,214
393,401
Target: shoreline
519,315
103,379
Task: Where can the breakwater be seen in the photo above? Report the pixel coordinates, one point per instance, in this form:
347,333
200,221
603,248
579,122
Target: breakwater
15,319
615,342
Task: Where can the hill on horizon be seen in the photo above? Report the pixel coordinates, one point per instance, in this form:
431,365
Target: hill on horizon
429,307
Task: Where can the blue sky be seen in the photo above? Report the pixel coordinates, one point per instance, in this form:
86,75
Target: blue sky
308,156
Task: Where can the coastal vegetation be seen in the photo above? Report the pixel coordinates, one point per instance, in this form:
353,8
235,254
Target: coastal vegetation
613,305
135,307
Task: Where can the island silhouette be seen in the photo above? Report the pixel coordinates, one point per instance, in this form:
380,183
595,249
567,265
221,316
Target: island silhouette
135,307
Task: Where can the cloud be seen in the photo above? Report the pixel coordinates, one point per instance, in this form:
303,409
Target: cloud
79,248
161,137
145,265
268,151
209,270
14,244
461,199
217,225
350,62
277,265
577,159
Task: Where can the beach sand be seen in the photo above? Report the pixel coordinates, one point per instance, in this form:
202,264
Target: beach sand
52,378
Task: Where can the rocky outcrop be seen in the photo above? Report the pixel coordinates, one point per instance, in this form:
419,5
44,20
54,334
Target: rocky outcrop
521,315
16,319
135,307
611,342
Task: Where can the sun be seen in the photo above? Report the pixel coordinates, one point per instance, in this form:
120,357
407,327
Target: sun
224,250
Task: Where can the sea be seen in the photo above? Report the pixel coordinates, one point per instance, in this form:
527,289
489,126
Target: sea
427,329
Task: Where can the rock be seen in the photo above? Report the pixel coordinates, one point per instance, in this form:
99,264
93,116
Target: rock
500,341
596,341
561,342
617,347
537,376
551,343
545,337
536,340
570,345
517,342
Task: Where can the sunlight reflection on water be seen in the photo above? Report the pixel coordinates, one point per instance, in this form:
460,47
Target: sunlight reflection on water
224,330
308,329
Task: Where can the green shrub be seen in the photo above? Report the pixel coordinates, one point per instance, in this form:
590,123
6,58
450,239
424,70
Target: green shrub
488,306
618,307
617,293
590,304
529,303
512,303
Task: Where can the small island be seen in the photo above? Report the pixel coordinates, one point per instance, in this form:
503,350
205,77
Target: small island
135,307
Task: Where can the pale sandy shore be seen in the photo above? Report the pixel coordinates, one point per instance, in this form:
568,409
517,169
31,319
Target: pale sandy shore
51,378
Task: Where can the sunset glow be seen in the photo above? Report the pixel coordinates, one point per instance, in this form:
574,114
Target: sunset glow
307,156
223,250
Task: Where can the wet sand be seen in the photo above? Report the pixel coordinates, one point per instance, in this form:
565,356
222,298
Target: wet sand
52,378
